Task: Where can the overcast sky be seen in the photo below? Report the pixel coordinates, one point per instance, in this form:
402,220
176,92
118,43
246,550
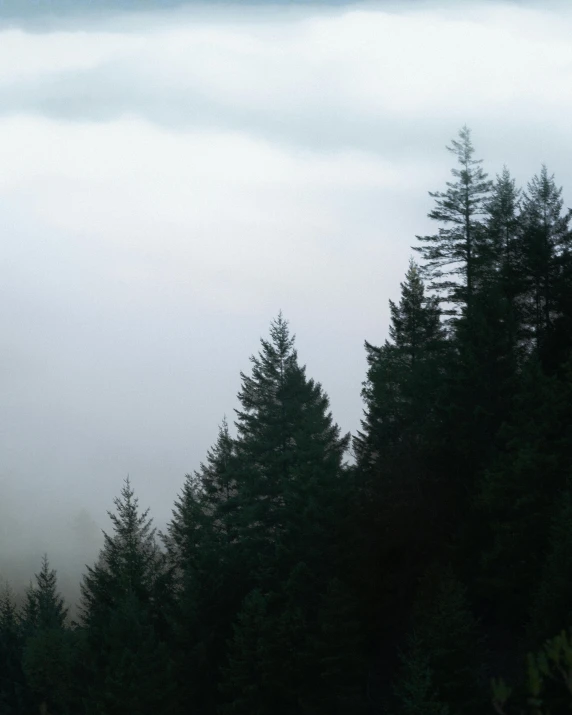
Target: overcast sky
171,178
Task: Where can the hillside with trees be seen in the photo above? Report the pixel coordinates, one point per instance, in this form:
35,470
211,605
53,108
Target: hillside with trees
420,567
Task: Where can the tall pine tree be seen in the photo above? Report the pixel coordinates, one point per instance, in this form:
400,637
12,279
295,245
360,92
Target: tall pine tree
125,610
459,255
546,243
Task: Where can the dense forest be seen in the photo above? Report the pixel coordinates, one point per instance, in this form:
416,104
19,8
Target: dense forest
420,567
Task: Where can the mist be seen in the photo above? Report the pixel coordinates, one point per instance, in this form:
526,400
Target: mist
172,177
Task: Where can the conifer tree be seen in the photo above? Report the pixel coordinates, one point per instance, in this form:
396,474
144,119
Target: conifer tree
245,685
291,483
130,561
400,508
14,693
459,255
416,692
337,652
518,490
125,610
201,544
443,667
50,648
504,228
291,498
285,658
44,607
203,511
403,374
551,604
504,225
546,242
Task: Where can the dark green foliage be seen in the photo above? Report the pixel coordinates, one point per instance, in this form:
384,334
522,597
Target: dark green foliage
458,257
44,608
291,481
402,375
519,490
50,648
202,546
50,664
552,602
290,503
443,666
296,651
547,686
504,227
14,694
416,691
545,242
125,608
337,650
265,655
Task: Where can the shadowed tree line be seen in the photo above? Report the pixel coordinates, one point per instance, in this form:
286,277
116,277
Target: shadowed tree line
431,575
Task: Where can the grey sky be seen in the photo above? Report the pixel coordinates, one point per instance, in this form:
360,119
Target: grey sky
170,179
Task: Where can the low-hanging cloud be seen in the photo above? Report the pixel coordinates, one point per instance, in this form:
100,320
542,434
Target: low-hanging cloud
169,180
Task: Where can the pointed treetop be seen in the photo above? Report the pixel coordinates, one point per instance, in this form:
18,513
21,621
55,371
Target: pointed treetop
44,607
463,147
282,341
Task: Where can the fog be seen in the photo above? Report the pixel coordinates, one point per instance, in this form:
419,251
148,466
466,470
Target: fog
173,176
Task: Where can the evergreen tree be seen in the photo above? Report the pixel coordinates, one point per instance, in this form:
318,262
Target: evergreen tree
130,562
336,651
551,605
459,255
245,685
288,656
210,582
400,519
291,499
50,648
443,668
518,490
14,694
416,692
403,375
203,511
125,610
504,227
291,484
44,607
546,240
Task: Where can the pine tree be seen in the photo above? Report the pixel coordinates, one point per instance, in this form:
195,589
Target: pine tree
400,515
546,238
210,582
44,607
15,697
443,665
243,686
550,607
459,255
291,484
519,488
125,611
504,228
130,561
291,500
416,692
402,378
50,650
337,653
289,655
203,511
